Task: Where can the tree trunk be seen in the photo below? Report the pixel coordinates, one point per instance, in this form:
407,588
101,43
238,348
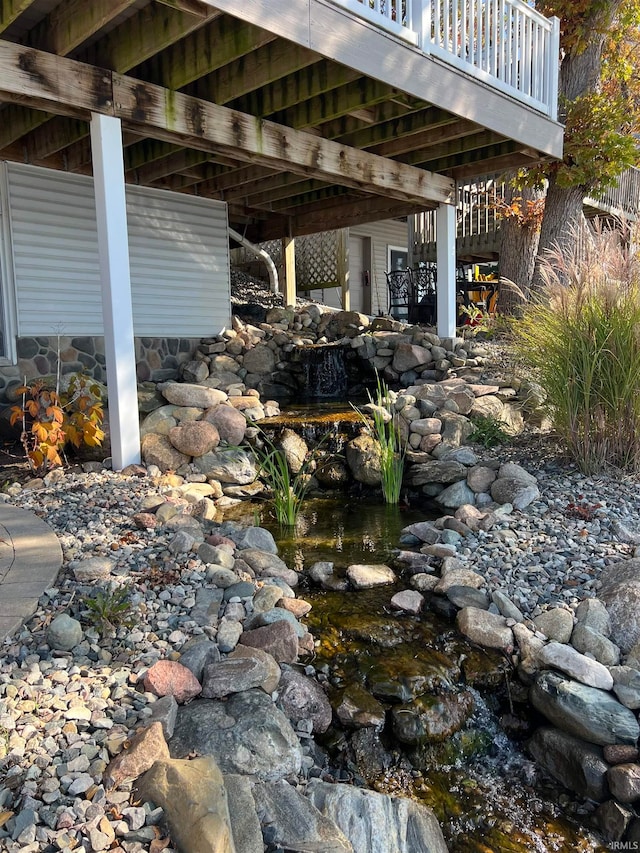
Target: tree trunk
562,224
580,74
518,249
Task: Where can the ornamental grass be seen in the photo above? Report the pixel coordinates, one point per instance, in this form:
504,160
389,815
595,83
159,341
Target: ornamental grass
582,339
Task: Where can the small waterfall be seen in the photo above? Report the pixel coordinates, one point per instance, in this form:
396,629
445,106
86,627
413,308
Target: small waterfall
323,374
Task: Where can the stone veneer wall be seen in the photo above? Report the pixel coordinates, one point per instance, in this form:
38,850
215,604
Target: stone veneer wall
157,359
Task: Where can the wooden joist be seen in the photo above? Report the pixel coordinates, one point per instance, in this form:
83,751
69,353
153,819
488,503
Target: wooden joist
136,40
68,87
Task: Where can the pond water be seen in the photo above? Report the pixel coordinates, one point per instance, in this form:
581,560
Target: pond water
488,796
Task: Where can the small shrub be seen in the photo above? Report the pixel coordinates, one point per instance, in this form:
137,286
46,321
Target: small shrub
488,431
51,419
582,340
110,609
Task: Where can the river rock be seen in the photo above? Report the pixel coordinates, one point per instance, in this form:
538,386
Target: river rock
591,642
583,711
506,606
233,675
455,495
295,449
235,466
159,421
158,450
364,576
64,632
408,600
194,438
485,628
620,592
145,748
385,824
466,596
278,639
357,708
363,458
575,763
613,820
514,491
458,577
170,678
627,686
93,569
266,598
437,471
575,665
432,719
247,833
556,624
258,538
194,799
273,672
245,734
456,429
292,822
230,423
592,613
424,531
624,782
260,359
480,478
187,394
302,698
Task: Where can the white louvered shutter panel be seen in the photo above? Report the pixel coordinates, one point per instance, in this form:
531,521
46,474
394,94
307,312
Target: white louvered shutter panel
178,254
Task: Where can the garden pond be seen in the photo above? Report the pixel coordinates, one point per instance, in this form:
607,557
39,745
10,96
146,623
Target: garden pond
452,718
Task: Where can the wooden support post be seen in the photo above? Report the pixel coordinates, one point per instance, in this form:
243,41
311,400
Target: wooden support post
115,279
342,263
288,284
446,258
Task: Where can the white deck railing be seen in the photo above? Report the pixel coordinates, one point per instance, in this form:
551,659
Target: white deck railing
506,43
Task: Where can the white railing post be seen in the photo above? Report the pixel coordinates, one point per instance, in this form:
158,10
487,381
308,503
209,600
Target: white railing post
420,22
553,64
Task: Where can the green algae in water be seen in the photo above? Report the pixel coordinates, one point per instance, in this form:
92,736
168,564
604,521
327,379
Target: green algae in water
341,529
475,782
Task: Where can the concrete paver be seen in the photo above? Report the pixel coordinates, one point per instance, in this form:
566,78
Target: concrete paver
30,559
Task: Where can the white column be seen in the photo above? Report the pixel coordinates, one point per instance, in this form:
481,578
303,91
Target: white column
446,259
113,246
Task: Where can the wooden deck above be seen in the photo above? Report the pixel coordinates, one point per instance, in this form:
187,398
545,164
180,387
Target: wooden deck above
300,114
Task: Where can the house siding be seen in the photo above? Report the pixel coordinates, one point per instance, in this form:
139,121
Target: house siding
389,232
178,247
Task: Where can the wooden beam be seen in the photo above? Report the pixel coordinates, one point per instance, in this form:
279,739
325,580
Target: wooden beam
327,216
191,7
334,103
446,133
69,87
478,158
499,163
72,22
454,149
253,71
206,49
10,10
309,83
148,32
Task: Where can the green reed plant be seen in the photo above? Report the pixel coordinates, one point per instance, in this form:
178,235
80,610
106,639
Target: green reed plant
287,490
381,420
583,341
